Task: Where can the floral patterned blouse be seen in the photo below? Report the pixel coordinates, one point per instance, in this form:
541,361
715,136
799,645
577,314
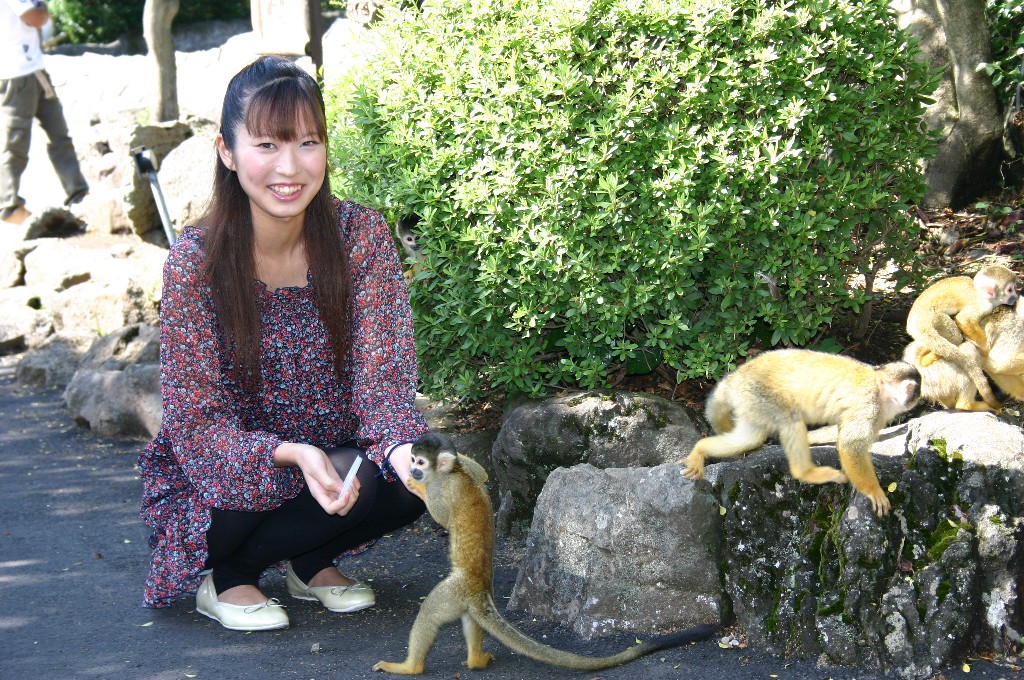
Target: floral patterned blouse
215,445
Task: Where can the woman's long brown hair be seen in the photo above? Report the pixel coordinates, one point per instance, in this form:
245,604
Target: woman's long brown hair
274,97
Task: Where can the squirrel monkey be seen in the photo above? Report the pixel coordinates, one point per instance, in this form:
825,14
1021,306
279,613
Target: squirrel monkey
782,391
452,486
950,311
410,241
944,383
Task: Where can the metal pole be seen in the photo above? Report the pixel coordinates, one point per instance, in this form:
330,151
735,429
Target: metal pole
145,165
161,207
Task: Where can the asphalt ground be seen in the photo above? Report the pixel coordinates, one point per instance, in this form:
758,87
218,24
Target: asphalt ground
73,557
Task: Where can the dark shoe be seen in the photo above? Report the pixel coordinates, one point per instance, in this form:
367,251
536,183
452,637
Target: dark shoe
18,217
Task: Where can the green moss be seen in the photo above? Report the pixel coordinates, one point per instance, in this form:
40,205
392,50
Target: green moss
771,623
943,590
943,536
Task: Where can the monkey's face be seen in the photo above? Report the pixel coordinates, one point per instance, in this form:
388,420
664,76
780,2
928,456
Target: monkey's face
1008,294
420,468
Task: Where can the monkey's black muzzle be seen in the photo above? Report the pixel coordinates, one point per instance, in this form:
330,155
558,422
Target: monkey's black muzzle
417,474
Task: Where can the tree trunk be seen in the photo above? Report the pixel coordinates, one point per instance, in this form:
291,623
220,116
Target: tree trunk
156,28
954,37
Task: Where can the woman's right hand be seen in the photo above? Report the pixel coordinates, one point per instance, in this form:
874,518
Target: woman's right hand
321,477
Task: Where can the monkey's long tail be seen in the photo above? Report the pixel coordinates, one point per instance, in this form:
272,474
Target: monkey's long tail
490,619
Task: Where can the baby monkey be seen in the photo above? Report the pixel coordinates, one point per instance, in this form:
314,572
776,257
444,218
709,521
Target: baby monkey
943,382
950,311
452,486
783,391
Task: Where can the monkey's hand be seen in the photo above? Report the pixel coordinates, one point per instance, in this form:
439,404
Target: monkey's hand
928,358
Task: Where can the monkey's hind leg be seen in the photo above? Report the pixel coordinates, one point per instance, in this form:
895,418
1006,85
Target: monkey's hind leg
443,605
793,437
745,437
477,658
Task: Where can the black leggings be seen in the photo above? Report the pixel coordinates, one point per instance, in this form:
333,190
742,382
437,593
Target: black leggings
243,544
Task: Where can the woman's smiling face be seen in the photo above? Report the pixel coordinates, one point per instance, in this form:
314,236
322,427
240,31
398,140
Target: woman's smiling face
280,176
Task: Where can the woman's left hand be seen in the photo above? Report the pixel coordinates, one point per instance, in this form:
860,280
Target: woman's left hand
401,461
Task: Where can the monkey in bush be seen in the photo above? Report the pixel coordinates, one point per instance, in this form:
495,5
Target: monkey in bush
783,391
410,242
452,486
950,311
944,383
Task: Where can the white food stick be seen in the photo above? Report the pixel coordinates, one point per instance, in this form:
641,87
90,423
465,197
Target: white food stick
350,476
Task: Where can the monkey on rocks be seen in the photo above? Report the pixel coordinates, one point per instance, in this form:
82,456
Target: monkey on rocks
950,311
783,391
452,486
944,382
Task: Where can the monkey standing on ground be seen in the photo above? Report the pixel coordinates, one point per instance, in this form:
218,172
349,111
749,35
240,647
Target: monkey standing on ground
783,391
951,310
452,486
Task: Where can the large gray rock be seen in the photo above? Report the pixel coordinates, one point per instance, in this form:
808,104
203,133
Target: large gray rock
186,177
603,428
24,321
120,199
803,570
115,403
810,571
115,390
95,284
54,362
137,343
622,549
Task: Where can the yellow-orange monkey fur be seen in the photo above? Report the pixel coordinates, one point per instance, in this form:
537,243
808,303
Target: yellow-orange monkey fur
452,486
783,391
950,311
943,382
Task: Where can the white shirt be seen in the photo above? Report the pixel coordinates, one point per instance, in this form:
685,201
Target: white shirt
20,50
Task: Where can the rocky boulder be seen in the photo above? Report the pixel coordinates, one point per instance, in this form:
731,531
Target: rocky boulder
54,362
186,175
804,570
604,428
115,403
622,549
115,390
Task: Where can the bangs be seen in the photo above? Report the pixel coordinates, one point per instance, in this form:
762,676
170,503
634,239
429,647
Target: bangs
284,109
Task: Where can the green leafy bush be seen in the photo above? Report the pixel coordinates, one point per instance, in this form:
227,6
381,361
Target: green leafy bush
103,21
612,182
1005,21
